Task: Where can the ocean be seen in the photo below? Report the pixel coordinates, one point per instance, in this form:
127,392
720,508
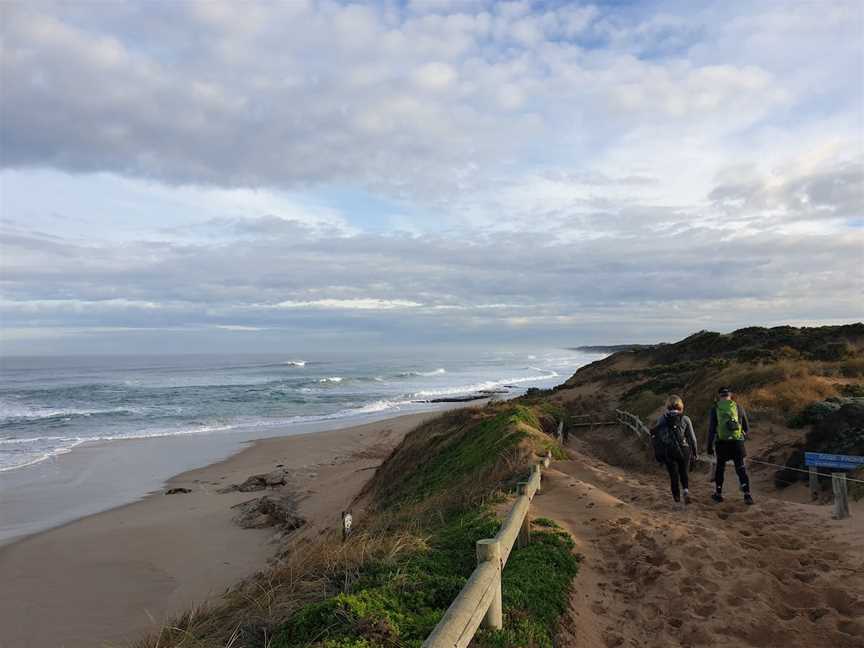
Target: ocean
51,406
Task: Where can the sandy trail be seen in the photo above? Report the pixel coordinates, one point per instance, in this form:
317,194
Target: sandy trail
774,574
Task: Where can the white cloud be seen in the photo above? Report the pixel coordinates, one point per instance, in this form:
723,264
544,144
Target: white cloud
523,146
435,76
347,304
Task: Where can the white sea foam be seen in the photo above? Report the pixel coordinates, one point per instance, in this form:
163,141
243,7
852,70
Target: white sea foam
332,379
372,408
14,412
414,374
47,447
295,363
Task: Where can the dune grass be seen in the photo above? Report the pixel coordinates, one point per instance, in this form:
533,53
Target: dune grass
388,586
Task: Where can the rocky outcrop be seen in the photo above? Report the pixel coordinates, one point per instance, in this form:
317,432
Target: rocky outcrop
268,511
255,483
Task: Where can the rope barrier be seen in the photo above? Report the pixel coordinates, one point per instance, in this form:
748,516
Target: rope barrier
806,472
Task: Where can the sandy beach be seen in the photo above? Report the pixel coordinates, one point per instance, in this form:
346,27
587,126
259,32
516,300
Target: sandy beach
109,577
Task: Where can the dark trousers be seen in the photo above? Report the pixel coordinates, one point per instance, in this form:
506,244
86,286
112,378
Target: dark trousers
734,451
677,467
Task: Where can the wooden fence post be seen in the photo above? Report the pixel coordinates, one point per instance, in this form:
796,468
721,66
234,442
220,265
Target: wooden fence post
347,521
841,501
814,484
524,537
539,472
490,550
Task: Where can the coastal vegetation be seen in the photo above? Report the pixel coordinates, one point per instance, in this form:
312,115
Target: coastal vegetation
413,550
777,372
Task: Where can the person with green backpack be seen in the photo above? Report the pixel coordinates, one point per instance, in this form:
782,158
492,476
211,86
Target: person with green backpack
727,430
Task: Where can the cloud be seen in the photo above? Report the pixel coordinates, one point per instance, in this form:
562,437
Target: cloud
410,102
407,170
345,304
680,270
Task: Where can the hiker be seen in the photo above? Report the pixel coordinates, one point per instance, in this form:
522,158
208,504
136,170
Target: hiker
727,430
675,445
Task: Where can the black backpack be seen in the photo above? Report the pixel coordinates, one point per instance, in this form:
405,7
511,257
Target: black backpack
669,437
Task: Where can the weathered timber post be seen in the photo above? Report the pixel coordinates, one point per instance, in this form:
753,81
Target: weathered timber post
814,484
524,537
538,471
487,551
547,459
841,500
347,521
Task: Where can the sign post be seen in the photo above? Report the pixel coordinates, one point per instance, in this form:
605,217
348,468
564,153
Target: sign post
814,484
841,500
816,460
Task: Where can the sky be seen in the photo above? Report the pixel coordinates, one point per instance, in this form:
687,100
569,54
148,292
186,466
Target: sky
225,176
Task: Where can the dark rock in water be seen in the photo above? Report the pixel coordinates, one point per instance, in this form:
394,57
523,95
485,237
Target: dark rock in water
268,511
177,491
479,395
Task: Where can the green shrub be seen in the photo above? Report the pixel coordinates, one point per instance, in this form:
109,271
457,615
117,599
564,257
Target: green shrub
852,391
395,604
535,589
813,413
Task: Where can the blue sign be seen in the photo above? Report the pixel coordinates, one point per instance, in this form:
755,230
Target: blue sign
825,460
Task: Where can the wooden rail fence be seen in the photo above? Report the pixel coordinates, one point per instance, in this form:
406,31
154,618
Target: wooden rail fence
635,424
479,602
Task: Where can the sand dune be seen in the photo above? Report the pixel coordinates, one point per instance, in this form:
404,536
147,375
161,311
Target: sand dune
776,574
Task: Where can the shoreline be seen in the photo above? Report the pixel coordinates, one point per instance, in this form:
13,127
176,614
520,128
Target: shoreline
133,583
103,475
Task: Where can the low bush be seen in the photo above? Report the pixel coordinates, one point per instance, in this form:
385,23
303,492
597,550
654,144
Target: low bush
536,589
852,390
813,413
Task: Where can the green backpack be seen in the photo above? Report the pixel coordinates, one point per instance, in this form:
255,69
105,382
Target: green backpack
728,424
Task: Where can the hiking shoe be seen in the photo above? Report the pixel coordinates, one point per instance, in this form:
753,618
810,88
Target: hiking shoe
748,498
717,497
686,498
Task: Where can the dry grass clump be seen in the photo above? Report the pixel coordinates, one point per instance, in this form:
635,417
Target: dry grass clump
251,613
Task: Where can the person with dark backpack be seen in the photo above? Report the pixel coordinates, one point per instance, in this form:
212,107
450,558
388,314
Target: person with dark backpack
727,430
674,444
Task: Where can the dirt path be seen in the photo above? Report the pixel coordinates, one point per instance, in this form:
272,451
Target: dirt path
774,574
